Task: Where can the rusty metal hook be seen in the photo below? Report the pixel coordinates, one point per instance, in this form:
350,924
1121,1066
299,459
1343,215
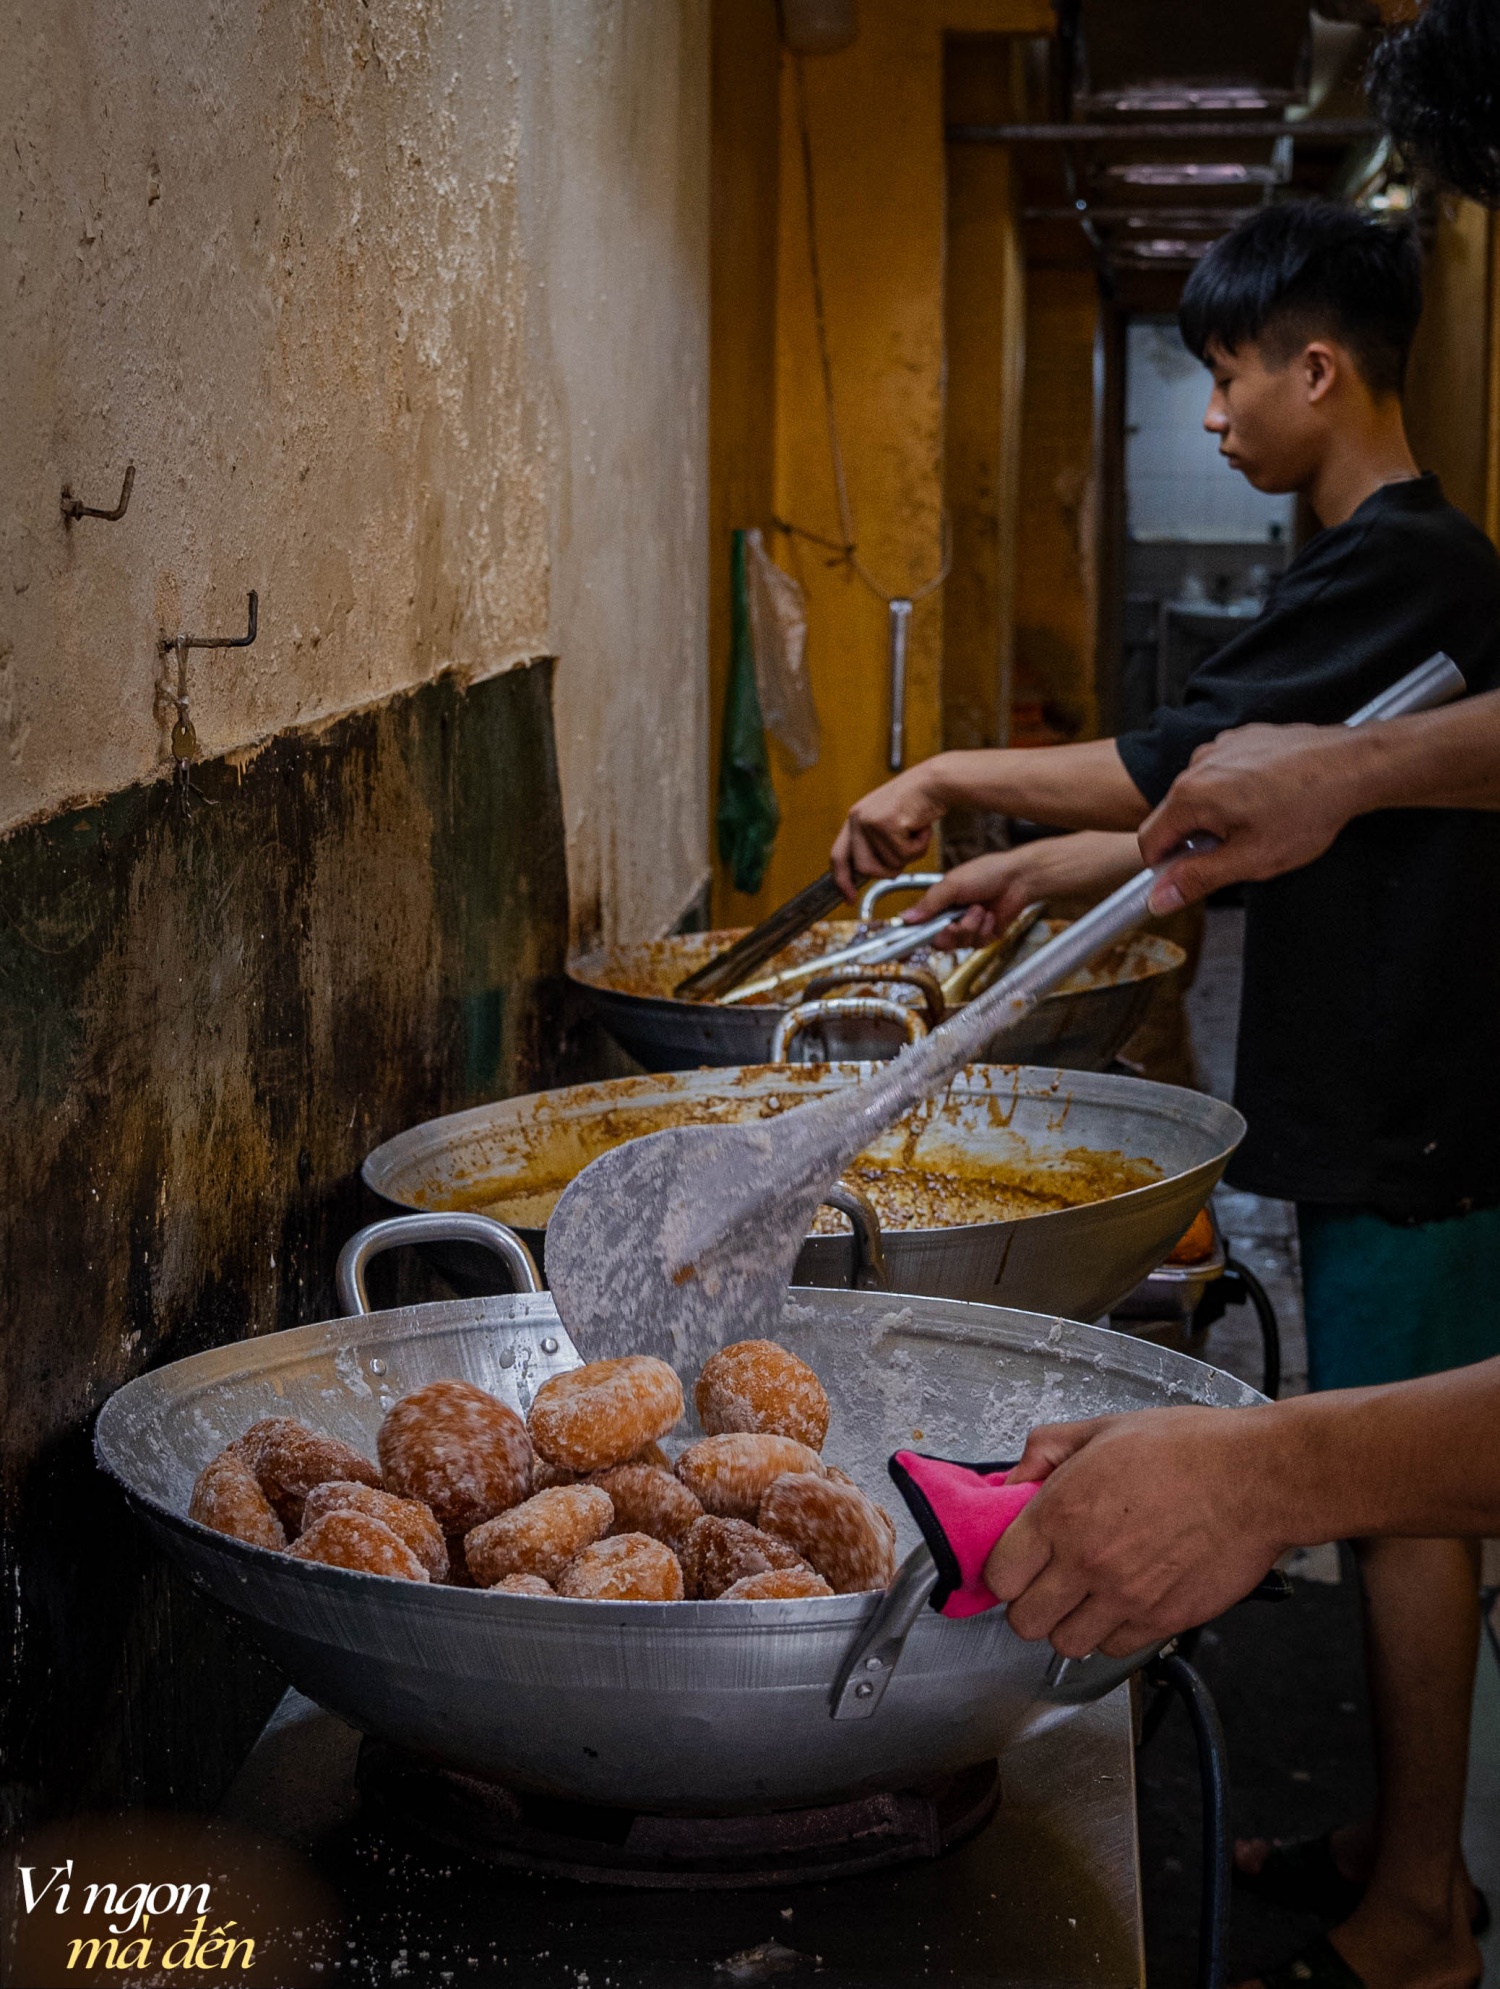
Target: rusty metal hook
182,642
73,507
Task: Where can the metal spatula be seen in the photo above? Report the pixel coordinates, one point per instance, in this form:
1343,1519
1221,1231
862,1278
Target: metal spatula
697,1228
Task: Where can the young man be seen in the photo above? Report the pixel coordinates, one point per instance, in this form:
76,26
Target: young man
1369,1056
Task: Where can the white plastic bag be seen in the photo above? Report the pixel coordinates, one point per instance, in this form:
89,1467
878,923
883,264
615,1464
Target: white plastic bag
778,636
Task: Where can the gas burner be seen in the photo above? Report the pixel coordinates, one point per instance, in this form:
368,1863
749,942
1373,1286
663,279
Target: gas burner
606,1846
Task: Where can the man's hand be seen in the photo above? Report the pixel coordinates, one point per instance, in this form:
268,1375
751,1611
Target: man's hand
1146,1524
1274,795
1001,885
887,828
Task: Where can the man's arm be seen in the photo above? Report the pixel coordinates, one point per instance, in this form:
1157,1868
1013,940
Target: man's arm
1277,795
998,886
1067,787
1149,1523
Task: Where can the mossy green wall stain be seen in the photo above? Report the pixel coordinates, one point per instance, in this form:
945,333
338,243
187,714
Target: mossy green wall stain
208,1015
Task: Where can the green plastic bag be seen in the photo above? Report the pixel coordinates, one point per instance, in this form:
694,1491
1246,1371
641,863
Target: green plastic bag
748,815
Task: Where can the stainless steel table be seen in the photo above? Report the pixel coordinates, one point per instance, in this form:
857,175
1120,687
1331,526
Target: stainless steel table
1046,1896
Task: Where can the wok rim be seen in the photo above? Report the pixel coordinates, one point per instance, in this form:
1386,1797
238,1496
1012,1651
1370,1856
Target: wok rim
476,1116
697,1618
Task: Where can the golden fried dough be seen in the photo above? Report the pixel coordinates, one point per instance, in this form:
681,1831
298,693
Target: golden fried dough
756,1385
348,1539
408,1519
604,1413
729,1474
650,1500
539,1537
459,1450
720,1552
227,1498
835,1528
631,1567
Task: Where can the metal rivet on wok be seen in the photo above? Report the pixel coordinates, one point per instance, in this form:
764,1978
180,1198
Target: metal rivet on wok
507,1357
873,1663
377,1367
549,1345
863,1689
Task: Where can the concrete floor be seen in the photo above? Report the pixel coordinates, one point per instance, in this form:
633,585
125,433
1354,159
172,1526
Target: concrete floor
1288,1678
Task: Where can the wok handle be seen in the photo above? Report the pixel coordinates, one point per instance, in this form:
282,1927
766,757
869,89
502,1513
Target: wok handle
868,1008
870,1272
871,1663
449,1226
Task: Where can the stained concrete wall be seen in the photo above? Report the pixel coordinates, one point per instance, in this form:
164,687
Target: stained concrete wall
400,311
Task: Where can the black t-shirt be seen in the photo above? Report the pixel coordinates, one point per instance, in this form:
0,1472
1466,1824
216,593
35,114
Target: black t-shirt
1369,1046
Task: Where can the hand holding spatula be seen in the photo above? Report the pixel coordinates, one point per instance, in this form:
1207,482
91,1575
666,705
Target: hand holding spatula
697,1228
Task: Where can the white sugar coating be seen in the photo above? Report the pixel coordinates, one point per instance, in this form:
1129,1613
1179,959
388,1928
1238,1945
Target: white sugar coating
349,1539
540,1536
408,1519
728,1474
720,1552
756,1385
605,1412
648,1499
631,1567
227,1498
835,1528
522,1585
459,1450
777,1585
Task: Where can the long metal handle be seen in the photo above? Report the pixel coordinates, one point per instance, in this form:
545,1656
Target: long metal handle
899,612
450,1226
727,969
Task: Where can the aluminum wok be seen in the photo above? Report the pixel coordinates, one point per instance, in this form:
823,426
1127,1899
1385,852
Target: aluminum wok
696,1707
1076,1261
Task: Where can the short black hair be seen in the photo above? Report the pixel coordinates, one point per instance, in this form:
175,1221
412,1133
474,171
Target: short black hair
1289,272
1435,85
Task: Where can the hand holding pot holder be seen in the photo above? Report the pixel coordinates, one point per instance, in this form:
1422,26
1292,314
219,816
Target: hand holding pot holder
962,1510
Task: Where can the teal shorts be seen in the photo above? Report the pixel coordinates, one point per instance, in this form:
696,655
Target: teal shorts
1386,1302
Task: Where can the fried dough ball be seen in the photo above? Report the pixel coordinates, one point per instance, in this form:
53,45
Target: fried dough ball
729,1474
604,1413
720,1552
648,1499
539,1537
459,1450
227,1498
408,1519
288,1459
631,1567
835,1528
522,1585
1196,1241
776,1585
756,1385
348,1539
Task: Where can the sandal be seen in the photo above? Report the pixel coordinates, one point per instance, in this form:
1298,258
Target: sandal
1317,1966
1304,1877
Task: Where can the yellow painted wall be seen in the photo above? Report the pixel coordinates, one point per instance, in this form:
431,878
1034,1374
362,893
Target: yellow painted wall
986,326
876,119
1057,534
745,156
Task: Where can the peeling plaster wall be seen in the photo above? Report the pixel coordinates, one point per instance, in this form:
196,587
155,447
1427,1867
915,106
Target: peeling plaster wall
400,310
